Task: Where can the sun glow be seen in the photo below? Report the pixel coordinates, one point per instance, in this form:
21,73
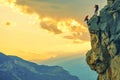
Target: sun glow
38,37
65,25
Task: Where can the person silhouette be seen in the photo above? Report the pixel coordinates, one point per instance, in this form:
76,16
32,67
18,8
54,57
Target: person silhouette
96,9
86,18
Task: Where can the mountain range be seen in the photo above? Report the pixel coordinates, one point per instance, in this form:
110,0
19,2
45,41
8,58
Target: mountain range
15,68
76,65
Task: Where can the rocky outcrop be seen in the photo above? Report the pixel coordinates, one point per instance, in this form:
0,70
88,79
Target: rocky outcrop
104,56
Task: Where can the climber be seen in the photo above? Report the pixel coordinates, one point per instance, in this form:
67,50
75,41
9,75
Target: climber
86,18
96,9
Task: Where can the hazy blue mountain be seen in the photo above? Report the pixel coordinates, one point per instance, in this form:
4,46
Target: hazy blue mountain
76,66
15,68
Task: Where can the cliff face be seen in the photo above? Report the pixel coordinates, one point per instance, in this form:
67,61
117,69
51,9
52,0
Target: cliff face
104,56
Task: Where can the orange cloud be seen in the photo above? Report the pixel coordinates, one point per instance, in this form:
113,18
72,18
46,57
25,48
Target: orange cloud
68,27
7,2
50,25
25,9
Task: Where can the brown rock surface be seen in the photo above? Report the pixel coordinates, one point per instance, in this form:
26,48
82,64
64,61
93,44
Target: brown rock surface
104,56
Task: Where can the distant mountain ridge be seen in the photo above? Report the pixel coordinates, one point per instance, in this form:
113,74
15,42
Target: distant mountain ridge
76,65
15,68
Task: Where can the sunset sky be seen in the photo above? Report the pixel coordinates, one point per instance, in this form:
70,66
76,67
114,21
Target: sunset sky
38,30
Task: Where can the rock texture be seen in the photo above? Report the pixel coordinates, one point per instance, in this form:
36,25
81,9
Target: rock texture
104,56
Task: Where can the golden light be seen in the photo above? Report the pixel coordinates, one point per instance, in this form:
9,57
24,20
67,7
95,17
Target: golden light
74,23
46,19
7,2
24,36
70,25
63,26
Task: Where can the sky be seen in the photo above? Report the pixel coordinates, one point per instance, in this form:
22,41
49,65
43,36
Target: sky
39,30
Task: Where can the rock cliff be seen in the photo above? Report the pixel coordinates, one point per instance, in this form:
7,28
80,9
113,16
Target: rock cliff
104,56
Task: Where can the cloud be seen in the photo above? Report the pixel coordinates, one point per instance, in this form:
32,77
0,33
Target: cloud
77,32
69,28
7,23
42,8
50,25
56,16
56,8
51,28
26,9
78,36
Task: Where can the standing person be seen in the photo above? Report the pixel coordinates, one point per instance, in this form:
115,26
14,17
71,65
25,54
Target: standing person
96,9
86,18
